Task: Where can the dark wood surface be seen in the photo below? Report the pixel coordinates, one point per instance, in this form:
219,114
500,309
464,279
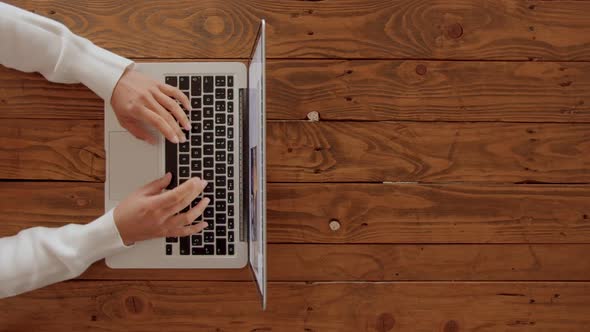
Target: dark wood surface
452,149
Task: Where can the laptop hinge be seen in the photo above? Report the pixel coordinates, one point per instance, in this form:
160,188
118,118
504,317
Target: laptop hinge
244,181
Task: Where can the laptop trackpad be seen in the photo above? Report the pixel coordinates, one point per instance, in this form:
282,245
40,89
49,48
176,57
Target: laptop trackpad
132,163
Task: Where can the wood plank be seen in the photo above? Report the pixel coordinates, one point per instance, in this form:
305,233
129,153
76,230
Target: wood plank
441,29
367,213
429,90
51,149
229,306
336,152
363,90
312,262
427,152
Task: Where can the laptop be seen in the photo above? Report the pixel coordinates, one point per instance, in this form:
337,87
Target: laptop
225,146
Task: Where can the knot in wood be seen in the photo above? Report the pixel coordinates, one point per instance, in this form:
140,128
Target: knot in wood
313,116
334,225
134,305
421,70
385,322
451,326
455,30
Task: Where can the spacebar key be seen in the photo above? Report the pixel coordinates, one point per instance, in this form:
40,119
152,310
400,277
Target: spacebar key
171,166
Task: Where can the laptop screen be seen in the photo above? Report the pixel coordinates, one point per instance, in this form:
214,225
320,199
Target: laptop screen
257,167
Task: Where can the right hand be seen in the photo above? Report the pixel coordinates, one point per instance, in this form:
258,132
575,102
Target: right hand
150,213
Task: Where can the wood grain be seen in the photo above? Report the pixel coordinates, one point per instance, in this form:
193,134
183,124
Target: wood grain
230,306
311,262
427,152
51,149
367,213
440,29
336,152
363,90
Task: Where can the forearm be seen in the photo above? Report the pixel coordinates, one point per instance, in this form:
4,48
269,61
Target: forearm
37,257
34,43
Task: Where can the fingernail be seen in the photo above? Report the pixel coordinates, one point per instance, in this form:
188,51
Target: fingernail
204,183
187,126
206,224
175,140
183,139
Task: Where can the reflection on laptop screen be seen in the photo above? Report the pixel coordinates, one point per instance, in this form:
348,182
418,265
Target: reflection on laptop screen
257,194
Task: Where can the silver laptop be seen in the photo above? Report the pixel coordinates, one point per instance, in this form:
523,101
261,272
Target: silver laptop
225,146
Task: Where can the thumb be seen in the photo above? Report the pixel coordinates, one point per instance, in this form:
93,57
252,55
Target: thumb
156,186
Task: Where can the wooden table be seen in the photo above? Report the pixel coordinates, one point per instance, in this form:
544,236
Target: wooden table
452,148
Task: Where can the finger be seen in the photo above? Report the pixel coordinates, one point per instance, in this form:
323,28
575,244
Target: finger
160,124
177,94
190,216
156,186
173,107
140,133
187,230
155,105
180,197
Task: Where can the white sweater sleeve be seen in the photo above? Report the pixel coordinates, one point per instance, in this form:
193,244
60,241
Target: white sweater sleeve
33,43
40,256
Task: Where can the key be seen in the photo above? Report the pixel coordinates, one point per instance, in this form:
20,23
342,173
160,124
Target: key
219,118
208,124
208,100
220,143
183,83
198,251
230,211
230,120
230,81
208,149
230,158
196,116
208,213
186,134
197,175
230,132
220,106
171,239
168,249
230,94
196,85
183,147
230,171
230,146
220,193
184,172
219,80
208,162
197,240
230,184
220,131
209,249
230,236
196,103
220,218
220,168
196,153
230,223
195,165
208,84
220,93
195,128
220,231
195,202
208,112
230,197
188,96
208,137
219,155
220,244
183,159
209,188
170,150
208,237
196,140
185,245
230,249
230,107
220,181
219,206
172,80
208,174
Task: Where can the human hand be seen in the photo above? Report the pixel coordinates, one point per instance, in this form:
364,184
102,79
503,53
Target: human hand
150,213
139,99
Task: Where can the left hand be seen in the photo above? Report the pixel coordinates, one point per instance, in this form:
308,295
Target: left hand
138,99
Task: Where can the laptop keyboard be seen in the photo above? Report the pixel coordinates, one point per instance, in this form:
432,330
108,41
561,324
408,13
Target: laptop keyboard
209,153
